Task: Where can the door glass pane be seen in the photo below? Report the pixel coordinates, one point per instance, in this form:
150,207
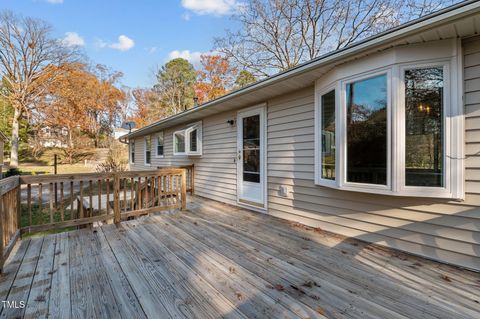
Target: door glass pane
424,127
328,135
367,131
251,149
193,141
179,143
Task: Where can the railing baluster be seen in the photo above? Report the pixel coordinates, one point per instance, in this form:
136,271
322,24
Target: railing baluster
72,211
62,213
132,194
90,198
40,195
29,203
124,194
80,202
108,196
51,202
99,185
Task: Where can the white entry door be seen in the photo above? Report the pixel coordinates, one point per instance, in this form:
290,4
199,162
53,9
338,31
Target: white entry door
251,175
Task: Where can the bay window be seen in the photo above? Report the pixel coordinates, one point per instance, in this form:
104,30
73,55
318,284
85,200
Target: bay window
189,140
393,131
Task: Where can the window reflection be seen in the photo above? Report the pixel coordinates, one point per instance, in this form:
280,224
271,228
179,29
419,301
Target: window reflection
328,135
251,149
367,131
179,143
423,127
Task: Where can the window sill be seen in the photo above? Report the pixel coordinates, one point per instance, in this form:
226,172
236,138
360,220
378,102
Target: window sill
159,156
430,192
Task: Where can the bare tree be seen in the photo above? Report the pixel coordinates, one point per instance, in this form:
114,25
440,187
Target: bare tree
27,52
277,35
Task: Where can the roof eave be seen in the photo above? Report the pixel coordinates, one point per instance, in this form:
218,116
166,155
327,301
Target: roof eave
446,15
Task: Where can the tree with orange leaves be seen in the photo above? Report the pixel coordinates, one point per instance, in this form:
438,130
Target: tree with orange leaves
215,79
80,102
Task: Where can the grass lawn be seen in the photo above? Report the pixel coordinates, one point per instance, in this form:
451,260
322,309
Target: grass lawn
44,164
32,168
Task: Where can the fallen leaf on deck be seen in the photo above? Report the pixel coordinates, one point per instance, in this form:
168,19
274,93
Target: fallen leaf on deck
446,278
239,295
279,287
320,311
310,284
298,289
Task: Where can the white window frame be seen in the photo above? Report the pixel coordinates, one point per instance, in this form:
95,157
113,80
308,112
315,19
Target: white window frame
453,152
157,139
318,136
145,150
343,133
197,126
186,133
131,149
174,143
447,129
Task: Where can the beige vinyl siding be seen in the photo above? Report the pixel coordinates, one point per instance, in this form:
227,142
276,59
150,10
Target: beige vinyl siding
167,160
216,169
439,229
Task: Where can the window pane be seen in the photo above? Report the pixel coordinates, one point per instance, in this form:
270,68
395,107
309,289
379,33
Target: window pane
193,141
251,166
328,135
251,149
132,152
148,149
160,144
424,127
179,143
367,131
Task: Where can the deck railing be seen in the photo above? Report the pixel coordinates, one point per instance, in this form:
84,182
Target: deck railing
48,202
9,215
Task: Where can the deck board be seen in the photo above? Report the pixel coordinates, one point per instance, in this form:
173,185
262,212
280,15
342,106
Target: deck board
219,261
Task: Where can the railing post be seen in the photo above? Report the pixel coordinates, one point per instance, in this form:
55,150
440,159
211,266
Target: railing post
19,208
184,189
116,199
3,212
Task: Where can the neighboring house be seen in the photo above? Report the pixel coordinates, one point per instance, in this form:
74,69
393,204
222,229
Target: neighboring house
3,140
120,131
53,137
379,141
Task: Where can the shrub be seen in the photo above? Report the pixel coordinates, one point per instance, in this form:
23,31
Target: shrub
13,172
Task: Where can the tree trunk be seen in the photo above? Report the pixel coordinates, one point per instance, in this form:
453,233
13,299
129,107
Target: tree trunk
15,138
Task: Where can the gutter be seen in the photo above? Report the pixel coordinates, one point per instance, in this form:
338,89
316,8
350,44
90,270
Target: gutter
442,16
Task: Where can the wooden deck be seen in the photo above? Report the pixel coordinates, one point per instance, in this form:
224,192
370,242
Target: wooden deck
216,261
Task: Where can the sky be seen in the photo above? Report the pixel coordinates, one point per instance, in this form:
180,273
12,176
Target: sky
135,37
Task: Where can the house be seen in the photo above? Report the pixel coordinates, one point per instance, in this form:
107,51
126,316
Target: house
49,136
3,140
120,131
379,141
